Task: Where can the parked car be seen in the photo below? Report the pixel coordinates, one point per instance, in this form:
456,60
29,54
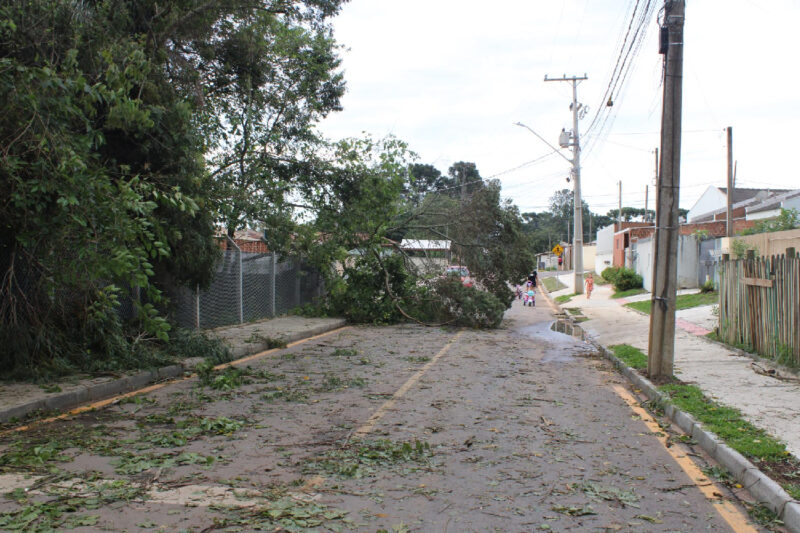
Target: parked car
462,272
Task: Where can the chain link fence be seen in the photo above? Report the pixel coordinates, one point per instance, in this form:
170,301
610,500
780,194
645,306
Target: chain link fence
247,287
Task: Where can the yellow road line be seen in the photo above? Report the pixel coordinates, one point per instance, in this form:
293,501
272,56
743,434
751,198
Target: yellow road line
369,425
729,512
103,403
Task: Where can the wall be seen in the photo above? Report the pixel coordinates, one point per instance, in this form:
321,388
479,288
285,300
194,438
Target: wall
774,243
589,255
711,200
604,253
688,261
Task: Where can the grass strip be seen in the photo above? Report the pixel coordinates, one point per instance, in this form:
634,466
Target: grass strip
633,357
629,292
564,298
684,301
552,284
727,423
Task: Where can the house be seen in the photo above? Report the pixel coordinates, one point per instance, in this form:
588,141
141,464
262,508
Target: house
771,207
247,240
427,256
715,199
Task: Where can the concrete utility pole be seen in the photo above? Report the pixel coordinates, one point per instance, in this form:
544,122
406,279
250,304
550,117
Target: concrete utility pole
577,230
729,201
655,179
661,346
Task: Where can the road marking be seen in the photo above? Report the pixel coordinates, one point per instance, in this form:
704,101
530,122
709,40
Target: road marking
103,403
729,512
369,425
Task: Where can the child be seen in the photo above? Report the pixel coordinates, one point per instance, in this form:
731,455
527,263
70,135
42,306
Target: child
589,281
531,297
519,292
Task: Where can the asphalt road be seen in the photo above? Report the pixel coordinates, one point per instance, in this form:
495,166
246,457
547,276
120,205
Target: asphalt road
401,428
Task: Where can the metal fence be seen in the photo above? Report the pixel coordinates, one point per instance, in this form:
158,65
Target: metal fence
247,287
760,304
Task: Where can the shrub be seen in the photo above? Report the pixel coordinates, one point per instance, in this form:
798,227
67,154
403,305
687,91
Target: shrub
610,274
708,286
626,279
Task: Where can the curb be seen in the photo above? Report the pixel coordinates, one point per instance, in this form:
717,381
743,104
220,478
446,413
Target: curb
763,488
84,394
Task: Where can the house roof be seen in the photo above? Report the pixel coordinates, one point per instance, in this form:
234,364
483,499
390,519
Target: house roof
773,202
741,194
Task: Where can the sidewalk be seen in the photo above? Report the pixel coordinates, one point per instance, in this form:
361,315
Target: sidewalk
721,373
20,399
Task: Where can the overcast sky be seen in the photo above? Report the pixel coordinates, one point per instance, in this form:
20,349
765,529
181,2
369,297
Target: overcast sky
450,77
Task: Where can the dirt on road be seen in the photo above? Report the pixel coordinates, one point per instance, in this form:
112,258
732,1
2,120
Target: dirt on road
371,429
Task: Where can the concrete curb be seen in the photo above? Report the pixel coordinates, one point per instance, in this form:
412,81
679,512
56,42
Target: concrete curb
84,394
761,486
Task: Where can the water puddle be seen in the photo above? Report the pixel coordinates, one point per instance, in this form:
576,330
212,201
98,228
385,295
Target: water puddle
558,346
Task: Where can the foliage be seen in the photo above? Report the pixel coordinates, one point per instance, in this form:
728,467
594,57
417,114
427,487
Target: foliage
629,292
110,112
610,274
371,289
788,219
458,305
363,458
626,279
708,286
740,248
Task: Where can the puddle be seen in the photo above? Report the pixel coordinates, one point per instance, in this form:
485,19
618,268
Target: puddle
559,347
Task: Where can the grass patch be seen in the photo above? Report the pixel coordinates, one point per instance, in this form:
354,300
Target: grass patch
727,423
629,292
552,284
564,298
633,357
574,310
684,301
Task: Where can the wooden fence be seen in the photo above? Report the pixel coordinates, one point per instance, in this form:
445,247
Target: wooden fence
760,304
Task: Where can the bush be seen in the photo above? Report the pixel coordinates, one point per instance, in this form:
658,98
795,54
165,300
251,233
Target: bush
610,274
708,286
626,279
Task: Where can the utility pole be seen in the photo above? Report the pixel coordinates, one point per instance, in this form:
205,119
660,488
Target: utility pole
661,345
577,230
655,179
729,201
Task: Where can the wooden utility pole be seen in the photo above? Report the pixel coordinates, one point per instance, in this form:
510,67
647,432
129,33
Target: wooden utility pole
729,201
661,346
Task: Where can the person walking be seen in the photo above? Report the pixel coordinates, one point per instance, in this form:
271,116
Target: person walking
589,282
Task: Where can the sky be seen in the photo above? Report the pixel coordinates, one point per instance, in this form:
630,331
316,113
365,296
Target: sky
451,77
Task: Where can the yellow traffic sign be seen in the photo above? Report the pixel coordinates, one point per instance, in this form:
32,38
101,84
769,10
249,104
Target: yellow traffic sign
558,250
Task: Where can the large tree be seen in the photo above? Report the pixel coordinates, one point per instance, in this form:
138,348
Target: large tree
112,113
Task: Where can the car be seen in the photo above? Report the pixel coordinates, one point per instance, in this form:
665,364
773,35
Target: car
462,272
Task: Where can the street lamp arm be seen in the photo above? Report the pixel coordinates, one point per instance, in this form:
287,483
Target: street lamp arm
556,150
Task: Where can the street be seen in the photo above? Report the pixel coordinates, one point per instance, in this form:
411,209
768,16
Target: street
401,428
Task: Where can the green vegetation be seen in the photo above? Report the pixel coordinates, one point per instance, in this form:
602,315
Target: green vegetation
552,284
684,301
727,423
363,458
564,298
633,357
788,219
629,292
708,286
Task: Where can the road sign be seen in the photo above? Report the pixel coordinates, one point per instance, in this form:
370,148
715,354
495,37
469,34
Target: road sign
557,249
